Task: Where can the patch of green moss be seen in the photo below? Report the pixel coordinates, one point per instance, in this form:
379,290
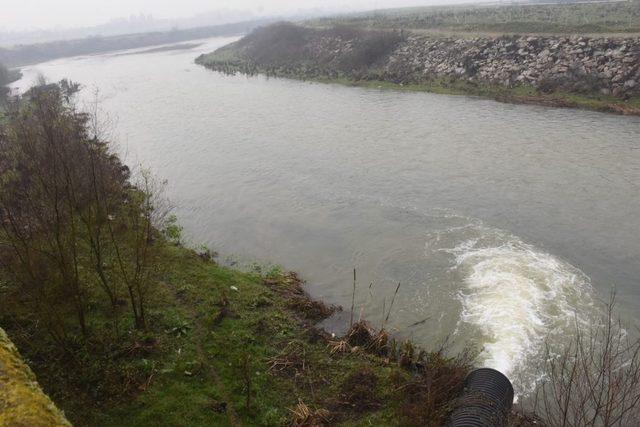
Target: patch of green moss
22,402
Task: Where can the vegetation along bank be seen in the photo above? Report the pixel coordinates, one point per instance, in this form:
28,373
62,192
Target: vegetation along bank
122,325
600,73
6,76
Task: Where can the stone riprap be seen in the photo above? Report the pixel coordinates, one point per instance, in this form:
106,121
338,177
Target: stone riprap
597,73
574,64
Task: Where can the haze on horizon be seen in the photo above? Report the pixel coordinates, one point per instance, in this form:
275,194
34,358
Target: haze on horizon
32,15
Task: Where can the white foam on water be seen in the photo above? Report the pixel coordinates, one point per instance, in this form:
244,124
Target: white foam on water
515,296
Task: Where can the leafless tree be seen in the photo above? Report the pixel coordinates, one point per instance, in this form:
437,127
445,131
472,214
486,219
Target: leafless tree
73,228
595,379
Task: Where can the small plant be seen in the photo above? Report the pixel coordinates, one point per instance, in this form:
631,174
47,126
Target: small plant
172,230
407,354
274,273
248,382
181,329
261,301
206,253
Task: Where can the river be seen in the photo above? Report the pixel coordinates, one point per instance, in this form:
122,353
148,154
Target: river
501,222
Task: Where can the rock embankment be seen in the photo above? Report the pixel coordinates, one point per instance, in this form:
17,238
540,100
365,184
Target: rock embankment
573,64
586,72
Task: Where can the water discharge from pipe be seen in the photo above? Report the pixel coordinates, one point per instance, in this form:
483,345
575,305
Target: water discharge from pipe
516,297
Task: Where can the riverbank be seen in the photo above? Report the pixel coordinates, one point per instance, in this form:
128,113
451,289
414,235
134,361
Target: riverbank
577,72
134,327
231,348
519,95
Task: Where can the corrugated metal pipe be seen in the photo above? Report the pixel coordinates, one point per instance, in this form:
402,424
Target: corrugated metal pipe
485,402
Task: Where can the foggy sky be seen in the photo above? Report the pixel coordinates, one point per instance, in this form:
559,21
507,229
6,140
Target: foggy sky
48,14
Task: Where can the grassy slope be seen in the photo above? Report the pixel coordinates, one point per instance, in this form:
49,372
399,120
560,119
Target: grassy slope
207,363
208,344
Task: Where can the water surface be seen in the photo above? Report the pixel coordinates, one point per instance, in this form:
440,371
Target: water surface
500,221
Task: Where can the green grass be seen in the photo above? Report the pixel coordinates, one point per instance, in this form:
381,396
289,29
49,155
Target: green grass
200,365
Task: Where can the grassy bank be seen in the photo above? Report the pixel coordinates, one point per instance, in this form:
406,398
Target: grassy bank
231,348
516,95
122,325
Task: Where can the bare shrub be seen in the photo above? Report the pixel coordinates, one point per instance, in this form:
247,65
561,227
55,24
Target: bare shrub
576,79
429,396
48,182
303,416
595,379
74,230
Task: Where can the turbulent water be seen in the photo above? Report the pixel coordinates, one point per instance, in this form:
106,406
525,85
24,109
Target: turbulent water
515,294
504,224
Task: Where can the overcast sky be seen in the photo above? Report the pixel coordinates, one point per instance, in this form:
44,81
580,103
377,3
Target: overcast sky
46,14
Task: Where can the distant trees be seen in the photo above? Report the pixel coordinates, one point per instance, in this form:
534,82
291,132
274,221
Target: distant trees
5,78
4,75
75,234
